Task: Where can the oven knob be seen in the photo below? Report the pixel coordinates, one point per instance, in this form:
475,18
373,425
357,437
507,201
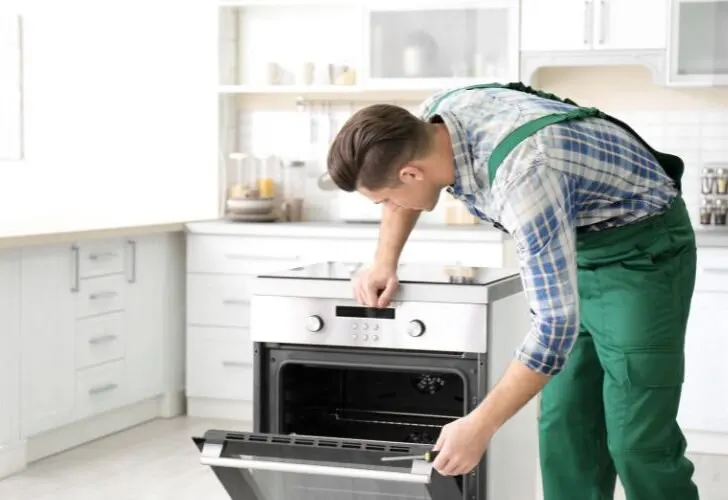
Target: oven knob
415,328
314,323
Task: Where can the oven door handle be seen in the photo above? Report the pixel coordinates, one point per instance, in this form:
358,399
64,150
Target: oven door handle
322,470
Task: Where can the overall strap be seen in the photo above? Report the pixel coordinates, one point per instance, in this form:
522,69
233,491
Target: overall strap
512,140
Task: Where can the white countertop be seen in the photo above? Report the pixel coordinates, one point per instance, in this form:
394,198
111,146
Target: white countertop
422,232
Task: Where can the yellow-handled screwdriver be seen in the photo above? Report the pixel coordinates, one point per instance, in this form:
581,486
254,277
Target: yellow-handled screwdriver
428,456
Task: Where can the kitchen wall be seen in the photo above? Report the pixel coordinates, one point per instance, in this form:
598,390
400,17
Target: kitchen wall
692,123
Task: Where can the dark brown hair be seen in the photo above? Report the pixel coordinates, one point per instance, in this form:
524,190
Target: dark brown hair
373,144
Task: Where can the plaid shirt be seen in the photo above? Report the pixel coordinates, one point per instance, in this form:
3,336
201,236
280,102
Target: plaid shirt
586,174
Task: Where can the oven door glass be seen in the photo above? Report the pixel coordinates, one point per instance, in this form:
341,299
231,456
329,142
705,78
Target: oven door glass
254,466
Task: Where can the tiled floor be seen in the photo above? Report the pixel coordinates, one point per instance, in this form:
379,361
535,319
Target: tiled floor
158,461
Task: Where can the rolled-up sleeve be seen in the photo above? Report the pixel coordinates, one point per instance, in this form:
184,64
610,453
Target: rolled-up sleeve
540,214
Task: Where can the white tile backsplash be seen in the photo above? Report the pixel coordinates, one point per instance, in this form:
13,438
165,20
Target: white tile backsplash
698,137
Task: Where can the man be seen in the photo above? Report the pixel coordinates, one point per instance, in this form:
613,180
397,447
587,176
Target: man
608,262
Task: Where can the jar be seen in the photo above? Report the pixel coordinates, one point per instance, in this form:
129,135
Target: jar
268,172
294,188
721,181
241,181
706,212
707,181
720,213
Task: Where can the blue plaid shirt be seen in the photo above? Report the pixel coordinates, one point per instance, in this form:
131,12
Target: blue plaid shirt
586,174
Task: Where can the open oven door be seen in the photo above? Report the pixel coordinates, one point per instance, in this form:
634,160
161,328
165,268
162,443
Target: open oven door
254,466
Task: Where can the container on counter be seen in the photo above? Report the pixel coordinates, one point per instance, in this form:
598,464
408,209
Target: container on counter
720,212
721,181
241,184
268,169
294,188
706,212
708,181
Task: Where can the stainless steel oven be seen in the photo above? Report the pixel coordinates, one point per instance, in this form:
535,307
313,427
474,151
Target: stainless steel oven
339,386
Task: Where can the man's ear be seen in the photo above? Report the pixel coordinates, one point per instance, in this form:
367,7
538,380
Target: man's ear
411,173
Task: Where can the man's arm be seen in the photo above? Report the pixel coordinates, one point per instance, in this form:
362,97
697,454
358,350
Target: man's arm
395,228
540,215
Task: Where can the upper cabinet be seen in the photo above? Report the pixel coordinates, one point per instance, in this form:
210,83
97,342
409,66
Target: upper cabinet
354,46
578,25
698,51
120,116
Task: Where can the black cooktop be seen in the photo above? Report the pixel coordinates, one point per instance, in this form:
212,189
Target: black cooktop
407,273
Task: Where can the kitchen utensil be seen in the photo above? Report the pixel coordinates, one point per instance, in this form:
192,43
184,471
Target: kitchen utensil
428,456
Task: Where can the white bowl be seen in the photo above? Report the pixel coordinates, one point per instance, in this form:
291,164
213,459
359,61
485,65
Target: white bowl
252,206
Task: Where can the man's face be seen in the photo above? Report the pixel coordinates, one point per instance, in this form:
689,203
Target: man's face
413,192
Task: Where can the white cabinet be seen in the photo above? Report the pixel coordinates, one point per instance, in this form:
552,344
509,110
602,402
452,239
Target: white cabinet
9,358
103,96
579,25
48,279
146,308
704,404
698,51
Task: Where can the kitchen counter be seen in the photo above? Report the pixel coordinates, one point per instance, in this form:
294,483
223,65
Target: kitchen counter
422,232
708,237
73,237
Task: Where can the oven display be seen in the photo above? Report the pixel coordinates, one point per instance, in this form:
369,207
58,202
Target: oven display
364,312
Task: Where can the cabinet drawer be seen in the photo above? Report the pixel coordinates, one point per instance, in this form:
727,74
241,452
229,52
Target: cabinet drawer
99,340
218,300
222,334
235,255
99,258
219,370
99,389
100,295
712,270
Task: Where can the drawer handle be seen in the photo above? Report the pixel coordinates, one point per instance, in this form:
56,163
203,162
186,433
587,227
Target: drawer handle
102,256
235,364
75,265
242,256
101,339
103,295
234,302
715,270
102,388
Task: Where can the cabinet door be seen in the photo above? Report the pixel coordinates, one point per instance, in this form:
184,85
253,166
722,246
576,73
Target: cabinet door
48,347
9,348
146,299
704,405
120,111
562,25
438,41
626,24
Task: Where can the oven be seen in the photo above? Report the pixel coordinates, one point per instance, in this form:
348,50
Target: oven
338,387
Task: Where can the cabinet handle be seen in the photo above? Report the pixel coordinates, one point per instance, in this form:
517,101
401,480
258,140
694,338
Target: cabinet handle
603,23
75,265
102,388
236,364
131,278
101,339
101,256
588,16
101,295
234,302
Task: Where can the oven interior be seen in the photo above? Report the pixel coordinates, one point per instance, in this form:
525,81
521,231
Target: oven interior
382,404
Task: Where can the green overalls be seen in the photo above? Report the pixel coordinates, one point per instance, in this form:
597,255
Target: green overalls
613,408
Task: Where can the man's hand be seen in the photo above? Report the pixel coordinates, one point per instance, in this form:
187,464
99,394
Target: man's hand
462,444
374,287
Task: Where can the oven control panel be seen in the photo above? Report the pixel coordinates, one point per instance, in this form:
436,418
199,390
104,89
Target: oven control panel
418,326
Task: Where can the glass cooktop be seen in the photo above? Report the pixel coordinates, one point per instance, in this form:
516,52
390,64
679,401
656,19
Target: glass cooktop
407,273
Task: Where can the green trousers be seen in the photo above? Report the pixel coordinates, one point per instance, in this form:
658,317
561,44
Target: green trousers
612,410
